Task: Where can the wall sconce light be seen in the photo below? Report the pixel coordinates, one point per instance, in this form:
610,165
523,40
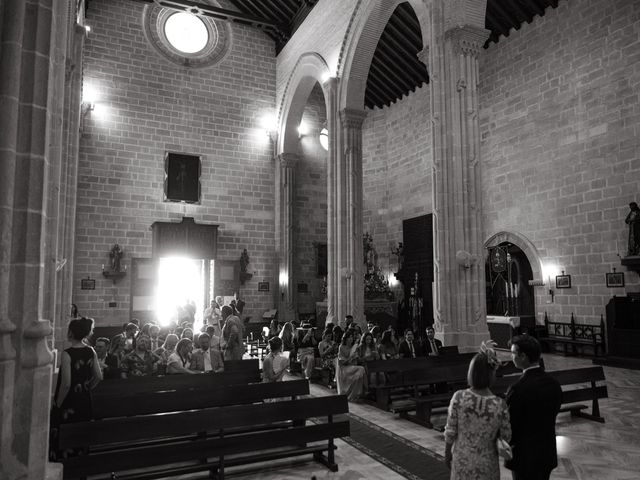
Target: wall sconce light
465,259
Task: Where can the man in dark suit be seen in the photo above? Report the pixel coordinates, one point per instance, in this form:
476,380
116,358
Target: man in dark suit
108,362
408,348
534,401
431,346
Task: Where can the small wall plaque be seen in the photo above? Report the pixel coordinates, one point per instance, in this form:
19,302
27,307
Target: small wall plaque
87,284
563,281
263,286
303,288
615,279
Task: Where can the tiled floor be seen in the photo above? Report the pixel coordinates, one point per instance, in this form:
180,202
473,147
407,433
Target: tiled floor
587,450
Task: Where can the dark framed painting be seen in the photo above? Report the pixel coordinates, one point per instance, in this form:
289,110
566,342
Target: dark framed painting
87,284
303,288
182,177
615,279
321,259
563,281
263,286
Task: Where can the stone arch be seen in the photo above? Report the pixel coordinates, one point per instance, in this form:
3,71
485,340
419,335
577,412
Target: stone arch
524,244
309,69
361,40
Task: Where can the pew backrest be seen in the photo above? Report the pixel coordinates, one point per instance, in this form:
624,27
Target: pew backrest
110,406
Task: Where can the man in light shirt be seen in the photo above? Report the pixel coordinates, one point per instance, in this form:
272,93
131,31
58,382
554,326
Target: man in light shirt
206,359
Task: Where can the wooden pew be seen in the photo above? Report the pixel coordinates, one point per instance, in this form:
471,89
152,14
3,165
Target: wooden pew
199,440
110,406
245,372
404,366
424,400
578,392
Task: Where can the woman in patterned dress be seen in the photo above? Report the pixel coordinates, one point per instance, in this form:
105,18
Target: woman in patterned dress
79,373
476,419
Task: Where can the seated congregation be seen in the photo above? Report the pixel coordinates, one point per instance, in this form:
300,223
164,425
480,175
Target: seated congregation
141,390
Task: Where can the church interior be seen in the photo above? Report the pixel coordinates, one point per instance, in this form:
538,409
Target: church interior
470,166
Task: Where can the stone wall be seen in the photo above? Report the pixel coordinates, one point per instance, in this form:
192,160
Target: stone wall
146,106
310,211
561,147
397,181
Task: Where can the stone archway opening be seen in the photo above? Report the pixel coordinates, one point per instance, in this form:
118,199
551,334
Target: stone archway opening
512,269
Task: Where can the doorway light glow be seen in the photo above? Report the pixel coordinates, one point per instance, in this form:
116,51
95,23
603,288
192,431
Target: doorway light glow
180,280
324,138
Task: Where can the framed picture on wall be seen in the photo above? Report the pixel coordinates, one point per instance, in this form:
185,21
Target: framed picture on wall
615,279
263,286
182,177
321,259
563,281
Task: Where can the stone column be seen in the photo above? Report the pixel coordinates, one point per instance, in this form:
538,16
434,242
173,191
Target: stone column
68,185
286,200
332,165
459,293
348,195
30,33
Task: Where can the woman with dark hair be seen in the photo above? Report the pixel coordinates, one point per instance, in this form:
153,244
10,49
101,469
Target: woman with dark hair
337,334
180,358
387,348
79,373
350,376
274,364
367,347
477,419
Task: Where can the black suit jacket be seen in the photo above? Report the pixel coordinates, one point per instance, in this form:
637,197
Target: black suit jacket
534,401
426,346
405,352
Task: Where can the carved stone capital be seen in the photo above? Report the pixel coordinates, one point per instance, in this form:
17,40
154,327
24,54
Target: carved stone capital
288,160
467,39
352,118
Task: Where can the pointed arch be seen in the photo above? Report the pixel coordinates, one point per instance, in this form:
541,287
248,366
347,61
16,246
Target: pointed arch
524,244
309,69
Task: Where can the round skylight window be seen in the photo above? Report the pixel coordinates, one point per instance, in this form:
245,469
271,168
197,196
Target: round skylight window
186,32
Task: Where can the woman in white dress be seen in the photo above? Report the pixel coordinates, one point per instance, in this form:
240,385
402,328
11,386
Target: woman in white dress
275,364
350,376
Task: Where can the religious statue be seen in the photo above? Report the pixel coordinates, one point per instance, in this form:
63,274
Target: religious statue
115,254
399,252
244,261
633,220
370,255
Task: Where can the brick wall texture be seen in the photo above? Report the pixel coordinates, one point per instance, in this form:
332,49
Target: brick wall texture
396,170
146,106
310,211
560,116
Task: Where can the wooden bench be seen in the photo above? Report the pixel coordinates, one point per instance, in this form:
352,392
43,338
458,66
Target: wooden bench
576,379
208,439
394,371
239,372
126,405
574,335
424,400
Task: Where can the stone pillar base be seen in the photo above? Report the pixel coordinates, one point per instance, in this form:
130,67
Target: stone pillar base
466,341
54,471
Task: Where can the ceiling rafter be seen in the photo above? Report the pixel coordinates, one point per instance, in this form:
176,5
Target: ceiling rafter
395,69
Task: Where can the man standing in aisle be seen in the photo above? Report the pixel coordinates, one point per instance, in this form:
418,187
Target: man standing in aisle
534,401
